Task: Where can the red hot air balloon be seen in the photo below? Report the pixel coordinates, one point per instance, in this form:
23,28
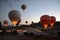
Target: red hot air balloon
23,7
52,20
5,23
45,20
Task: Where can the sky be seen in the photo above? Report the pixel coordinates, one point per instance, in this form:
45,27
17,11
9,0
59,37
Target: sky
34,9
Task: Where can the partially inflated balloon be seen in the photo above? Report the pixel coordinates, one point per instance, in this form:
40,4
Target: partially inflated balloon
45,20
14,16
23,7
52,20
5,23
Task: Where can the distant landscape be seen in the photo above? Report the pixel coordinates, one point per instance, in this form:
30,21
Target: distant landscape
29,32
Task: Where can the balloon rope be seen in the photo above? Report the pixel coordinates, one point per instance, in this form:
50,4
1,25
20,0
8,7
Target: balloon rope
9,4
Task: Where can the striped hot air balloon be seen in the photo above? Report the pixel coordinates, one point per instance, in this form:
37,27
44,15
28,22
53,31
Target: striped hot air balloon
15,17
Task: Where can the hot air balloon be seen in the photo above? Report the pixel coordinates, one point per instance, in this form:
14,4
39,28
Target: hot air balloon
5,23
45,20
32,22
14,16
52,20
26,22
23,7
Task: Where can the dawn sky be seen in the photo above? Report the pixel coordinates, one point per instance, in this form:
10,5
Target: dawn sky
35,9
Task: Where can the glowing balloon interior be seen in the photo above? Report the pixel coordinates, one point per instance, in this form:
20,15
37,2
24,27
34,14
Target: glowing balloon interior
14,16
52,20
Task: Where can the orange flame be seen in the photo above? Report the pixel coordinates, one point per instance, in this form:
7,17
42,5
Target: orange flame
52,24
14,22
45,26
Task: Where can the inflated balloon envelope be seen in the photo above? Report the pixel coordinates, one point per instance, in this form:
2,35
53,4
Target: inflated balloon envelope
14,16
45,20
23,7
52,20
5,23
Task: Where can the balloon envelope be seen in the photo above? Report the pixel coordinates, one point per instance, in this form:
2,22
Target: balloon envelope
23,7
14,16
26,22
5,23
45,20
52,20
